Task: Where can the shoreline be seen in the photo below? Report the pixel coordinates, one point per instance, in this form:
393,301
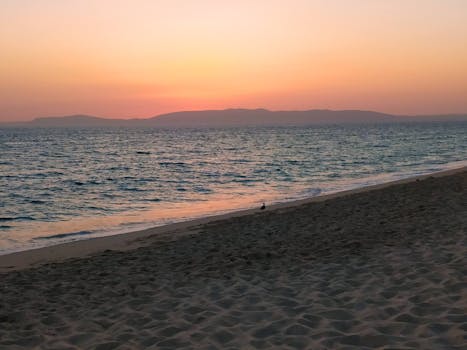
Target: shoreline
136,239
373,268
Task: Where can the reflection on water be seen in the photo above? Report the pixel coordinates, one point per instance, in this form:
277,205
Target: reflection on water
75,183
159,214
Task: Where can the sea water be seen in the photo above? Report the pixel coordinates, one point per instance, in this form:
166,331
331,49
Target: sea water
59,184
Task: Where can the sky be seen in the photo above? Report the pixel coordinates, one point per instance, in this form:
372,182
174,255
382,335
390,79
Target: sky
140,58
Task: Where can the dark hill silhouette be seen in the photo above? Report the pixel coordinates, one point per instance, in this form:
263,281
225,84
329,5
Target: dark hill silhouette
237,118
246,117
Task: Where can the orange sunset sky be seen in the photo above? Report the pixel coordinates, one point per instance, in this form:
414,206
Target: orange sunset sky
140,58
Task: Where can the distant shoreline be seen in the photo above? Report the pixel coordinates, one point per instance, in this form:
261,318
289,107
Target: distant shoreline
238,118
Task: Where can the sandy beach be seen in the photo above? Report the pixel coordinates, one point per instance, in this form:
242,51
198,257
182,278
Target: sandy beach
382,267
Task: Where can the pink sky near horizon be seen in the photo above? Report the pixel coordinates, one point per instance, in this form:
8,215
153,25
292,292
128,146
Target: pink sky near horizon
142,58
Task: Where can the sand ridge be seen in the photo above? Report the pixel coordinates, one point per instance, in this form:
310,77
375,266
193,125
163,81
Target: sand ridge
378,269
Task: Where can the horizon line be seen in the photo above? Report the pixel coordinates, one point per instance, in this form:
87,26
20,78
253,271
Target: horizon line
233,109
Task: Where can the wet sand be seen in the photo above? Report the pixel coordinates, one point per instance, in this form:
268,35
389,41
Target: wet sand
383,267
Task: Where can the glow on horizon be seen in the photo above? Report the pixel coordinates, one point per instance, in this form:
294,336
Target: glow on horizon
141,58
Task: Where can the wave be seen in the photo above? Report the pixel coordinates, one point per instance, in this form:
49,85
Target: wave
6,219
64,235
180,164
153,200
37,201
17,218
311,192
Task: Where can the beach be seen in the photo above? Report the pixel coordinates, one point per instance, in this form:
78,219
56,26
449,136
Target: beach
380,267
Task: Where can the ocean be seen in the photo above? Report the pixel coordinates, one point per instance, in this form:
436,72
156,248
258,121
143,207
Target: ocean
60,185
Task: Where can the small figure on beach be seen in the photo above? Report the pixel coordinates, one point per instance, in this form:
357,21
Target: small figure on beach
263,206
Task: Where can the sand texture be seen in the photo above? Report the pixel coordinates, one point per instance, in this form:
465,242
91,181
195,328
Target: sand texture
383,269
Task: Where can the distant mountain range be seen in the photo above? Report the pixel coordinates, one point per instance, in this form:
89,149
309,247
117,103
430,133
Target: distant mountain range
236,117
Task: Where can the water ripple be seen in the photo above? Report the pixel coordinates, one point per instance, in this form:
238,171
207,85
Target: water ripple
57,175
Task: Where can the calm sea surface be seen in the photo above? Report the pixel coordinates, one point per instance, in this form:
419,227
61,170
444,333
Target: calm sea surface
59,185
